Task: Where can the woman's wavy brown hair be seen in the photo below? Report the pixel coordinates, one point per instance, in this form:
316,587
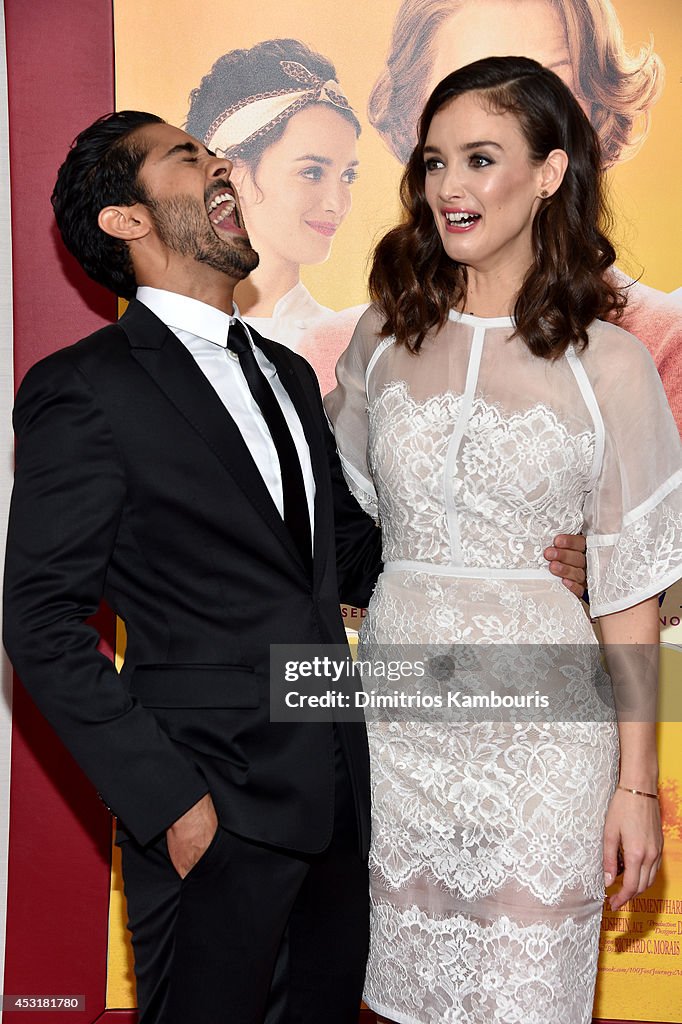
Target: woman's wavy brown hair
415,284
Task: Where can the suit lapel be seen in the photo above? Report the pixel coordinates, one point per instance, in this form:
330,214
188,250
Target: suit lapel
175,372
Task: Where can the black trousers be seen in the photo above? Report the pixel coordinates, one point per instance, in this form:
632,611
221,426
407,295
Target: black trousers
253,933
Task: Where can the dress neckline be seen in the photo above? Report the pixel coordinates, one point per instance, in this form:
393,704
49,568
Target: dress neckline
484,321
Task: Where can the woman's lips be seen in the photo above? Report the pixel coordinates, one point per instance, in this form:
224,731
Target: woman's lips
323,227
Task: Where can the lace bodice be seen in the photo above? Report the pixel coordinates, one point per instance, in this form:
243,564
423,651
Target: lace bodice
517,476
475,453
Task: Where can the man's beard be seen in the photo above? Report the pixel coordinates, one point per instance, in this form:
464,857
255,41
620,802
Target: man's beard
183,226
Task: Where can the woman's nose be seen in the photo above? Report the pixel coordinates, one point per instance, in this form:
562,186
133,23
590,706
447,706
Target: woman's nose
337,199
451,186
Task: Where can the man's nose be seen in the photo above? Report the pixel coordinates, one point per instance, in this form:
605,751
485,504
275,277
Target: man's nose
219,167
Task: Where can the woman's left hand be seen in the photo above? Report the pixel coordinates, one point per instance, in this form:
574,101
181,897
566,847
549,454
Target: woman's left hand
633,823
567,559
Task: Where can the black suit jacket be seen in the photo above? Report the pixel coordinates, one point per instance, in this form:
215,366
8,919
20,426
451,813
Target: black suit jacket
134,484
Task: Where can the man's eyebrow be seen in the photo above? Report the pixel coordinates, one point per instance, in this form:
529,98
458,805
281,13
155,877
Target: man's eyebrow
183,147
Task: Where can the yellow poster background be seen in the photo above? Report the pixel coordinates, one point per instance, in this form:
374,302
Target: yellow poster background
163,48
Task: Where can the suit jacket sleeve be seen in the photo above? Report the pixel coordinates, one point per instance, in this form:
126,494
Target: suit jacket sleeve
358,539
69,492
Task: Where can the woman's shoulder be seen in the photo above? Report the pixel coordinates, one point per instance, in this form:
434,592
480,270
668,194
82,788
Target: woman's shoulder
367,335
620,368
612,346
370,325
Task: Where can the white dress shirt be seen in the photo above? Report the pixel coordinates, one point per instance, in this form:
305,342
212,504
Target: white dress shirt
203,330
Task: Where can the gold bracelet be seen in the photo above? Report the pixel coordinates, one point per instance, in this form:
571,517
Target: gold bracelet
638,792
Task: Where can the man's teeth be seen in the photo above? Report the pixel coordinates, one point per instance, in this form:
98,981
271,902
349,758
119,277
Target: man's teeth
463,219
222,197
225,199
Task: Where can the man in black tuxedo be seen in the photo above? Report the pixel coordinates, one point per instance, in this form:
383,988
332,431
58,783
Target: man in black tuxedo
155,470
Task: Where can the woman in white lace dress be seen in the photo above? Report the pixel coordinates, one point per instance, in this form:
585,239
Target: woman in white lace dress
483,405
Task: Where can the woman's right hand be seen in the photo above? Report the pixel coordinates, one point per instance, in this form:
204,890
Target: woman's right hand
633,824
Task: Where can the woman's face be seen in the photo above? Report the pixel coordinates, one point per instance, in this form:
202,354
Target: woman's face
505,28
481,186
301,190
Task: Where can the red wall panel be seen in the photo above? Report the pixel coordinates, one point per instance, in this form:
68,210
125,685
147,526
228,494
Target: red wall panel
60,78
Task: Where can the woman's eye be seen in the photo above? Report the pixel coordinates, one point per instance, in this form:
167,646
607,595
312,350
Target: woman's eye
350,176
480,160
312,173
433,164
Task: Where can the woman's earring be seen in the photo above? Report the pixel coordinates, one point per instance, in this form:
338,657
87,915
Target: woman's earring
543,193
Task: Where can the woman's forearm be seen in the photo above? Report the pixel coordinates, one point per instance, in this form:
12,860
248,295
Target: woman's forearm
635,677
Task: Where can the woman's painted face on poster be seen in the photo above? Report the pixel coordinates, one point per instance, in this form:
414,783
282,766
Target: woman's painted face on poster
300,192
500,28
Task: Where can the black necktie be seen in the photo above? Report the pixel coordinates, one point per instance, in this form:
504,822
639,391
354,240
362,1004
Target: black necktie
296,514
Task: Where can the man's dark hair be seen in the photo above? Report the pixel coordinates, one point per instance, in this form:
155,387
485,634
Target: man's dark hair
101,169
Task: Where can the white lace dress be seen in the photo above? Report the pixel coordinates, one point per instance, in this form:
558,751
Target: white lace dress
486,858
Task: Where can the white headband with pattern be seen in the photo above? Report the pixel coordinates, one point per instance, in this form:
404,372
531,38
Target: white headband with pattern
254,116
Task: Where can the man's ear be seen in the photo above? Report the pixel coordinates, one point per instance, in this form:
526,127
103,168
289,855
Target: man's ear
125,222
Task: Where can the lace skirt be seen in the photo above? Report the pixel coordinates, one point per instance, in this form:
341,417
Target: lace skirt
486,859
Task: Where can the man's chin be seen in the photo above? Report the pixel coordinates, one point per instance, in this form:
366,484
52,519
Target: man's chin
242,257
245,267
237,265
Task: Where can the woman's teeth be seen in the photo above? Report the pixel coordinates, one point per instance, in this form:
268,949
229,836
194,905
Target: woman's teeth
462,219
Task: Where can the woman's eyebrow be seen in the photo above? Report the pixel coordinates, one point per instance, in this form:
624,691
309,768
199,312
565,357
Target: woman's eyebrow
481,142
326,160
465,146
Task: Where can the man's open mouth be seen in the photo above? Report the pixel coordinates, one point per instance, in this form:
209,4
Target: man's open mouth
223,207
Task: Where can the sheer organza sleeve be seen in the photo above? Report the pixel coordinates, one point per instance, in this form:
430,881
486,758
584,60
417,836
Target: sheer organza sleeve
347,409
633,514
